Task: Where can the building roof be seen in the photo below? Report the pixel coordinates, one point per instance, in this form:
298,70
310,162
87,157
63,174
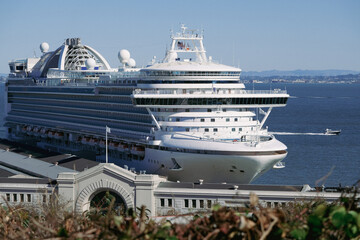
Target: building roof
4,172
27,180
67,162
31,166
71,162
187,185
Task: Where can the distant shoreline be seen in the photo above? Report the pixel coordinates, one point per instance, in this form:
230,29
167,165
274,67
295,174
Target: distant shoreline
344,79
323,79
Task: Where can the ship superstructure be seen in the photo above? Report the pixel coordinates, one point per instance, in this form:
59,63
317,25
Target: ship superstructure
187,117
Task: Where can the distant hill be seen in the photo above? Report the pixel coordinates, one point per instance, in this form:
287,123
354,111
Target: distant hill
271,73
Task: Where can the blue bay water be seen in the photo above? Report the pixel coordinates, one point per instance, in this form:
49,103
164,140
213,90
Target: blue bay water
311,109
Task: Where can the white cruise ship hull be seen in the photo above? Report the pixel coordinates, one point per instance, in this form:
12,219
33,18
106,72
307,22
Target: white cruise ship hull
237,166
239,169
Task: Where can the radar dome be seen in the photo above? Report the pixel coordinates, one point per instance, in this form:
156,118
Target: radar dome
124,56
131,62
44,47
90,63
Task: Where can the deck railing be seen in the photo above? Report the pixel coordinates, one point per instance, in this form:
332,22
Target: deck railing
208,91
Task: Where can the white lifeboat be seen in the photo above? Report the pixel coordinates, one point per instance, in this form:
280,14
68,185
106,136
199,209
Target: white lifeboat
85,140
93,141
36,131
44,133
102,143
24,129
120,147
29,130
138,150
59,135
111,145
51,134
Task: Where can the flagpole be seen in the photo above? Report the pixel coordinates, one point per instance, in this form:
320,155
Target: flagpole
106,145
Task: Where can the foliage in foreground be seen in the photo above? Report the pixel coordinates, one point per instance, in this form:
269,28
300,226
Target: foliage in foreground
300,220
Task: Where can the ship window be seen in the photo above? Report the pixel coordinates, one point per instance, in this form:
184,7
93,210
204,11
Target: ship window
209,203
11,68
187,110
29,197
19,68
194,203
187,129
206,129
213,119
202,120
169,202
215,130
8,197
209,110
233,129
228,119
235,119
224,110
186,203
15,197
162,202
21,197
177,119
201,203
240,129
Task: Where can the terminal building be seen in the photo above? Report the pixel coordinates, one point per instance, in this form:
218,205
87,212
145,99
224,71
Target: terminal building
33,179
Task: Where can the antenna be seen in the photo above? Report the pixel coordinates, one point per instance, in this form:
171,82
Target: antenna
183,28
35,54
233,63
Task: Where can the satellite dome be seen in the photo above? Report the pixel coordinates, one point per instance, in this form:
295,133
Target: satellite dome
131,62
44,47
124,56
90,63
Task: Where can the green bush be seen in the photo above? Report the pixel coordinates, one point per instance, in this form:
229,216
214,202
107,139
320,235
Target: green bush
314,219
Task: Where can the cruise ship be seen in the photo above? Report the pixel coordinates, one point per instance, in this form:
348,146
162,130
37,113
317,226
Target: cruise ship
186,117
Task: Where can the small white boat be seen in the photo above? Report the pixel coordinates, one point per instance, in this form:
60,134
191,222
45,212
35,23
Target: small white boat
279,165
332,132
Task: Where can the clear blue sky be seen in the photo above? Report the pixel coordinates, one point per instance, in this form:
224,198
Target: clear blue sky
255,35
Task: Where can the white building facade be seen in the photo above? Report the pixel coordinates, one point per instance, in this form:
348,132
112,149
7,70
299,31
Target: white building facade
161,197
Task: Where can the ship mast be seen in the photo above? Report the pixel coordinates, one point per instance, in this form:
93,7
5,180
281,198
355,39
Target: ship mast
186,42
